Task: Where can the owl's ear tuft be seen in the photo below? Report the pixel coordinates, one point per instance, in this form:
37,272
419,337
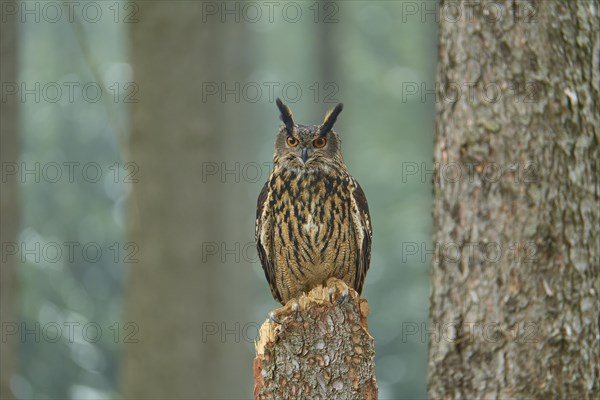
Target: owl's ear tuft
286,116
330,119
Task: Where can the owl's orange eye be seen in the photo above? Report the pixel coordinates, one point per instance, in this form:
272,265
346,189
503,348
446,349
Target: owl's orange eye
292,141
319,142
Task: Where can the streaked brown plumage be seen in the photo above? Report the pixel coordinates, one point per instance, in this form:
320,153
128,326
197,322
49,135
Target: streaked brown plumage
312,219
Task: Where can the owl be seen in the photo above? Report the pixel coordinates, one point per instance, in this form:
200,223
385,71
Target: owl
312,218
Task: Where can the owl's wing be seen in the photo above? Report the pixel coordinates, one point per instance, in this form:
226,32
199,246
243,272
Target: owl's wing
264,238
362,223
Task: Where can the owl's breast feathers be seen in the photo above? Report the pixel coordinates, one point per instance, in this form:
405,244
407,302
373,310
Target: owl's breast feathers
311,226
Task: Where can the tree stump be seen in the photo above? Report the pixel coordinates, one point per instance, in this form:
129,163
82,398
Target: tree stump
326,352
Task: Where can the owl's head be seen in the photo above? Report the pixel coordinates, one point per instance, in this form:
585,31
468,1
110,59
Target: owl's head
308,147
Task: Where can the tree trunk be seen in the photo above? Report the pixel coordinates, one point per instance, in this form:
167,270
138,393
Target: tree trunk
516,315
9,215
326,352
173,291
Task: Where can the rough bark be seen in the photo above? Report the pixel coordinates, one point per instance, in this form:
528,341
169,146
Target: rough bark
324,353
9,215
539,300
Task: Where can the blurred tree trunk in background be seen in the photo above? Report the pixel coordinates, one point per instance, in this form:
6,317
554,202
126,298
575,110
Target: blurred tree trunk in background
328,51
528,317
9,212
175,292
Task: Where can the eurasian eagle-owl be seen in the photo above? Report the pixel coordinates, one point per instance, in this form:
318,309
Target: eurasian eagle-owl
312,219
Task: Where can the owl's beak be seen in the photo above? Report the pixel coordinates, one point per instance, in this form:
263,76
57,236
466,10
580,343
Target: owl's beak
304,155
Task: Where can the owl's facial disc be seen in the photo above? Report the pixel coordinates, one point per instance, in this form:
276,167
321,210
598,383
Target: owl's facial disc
307,147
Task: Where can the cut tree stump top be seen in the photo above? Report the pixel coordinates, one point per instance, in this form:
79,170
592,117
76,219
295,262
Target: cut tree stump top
324,353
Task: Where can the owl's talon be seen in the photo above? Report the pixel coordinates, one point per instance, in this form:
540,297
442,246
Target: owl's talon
343,298
273,319
296,309
331,295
